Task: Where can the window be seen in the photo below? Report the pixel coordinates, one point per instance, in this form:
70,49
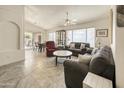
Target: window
91,36
52,36
69,37
81,35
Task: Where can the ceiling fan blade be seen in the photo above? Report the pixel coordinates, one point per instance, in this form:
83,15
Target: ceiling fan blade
74,21
69,22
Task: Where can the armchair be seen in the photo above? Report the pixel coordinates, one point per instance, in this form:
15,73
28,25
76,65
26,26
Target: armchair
50,48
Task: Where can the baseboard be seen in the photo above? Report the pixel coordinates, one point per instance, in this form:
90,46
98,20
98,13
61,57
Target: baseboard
8,57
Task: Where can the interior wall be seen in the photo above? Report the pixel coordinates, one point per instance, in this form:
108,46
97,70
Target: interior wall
118,50
9,39
11,50
29,27
102,23
36,36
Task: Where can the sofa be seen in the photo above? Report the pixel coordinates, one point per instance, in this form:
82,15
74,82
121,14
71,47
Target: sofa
76,49
101,63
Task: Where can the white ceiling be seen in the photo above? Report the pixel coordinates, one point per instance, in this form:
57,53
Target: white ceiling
51,16
29,27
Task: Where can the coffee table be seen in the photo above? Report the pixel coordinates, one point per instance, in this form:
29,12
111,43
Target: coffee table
62,54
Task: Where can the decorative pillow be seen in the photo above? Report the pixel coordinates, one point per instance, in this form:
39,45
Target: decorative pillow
95,50
84,58
82,46
72,45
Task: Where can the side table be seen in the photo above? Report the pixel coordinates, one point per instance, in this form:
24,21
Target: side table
95,81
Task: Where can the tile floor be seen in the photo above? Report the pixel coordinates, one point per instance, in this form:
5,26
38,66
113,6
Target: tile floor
37,71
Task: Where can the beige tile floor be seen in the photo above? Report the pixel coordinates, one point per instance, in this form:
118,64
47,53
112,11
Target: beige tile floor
37,71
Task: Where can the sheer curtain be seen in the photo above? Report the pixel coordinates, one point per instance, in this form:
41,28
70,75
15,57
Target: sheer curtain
91,36
52,36
81,35
69,36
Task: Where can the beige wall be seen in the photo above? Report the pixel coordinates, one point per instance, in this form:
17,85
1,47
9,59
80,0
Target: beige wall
36,36
29,27
15,52
43,36
9,36
118,50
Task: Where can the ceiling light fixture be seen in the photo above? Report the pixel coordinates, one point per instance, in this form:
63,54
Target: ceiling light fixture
68,21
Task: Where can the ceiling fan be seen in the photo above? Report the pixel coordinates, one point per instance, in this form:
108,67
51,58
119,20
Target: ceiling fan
68,21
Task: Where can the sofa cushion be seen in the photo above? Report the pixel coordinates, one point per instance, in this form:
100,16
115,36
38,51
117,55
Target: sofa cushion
87,45
72,45
84,58
95,50
102,63
97,64
82,46
77,45
75,50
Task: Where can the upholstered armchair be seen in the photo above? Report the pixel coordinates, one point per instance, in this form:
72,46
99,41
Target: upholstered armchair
50,48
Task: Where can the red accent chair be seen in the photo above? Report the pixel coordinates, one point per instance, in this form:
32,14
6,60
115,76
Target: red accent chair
50,48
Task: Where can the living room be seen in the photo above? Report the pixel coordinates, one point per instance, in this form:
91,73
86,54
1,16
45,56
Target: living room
59,46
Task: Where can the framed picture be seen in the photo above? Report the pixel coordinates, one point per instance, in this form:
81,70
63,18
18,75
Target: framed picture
102,33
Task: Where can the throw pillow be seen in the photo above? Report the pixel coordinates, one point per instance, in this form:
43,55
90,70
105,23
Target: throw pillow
84,58
72,45
95,50
82,46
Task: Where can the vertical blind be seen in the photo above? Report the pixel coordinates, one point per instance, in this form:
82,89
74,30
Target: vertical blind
52,36
91,36
69,37
81,35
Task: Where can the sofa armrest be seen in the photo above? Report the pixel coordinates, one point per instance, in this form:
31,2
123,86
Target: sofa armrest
84,49
74,65
89,50
74,73
66,47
